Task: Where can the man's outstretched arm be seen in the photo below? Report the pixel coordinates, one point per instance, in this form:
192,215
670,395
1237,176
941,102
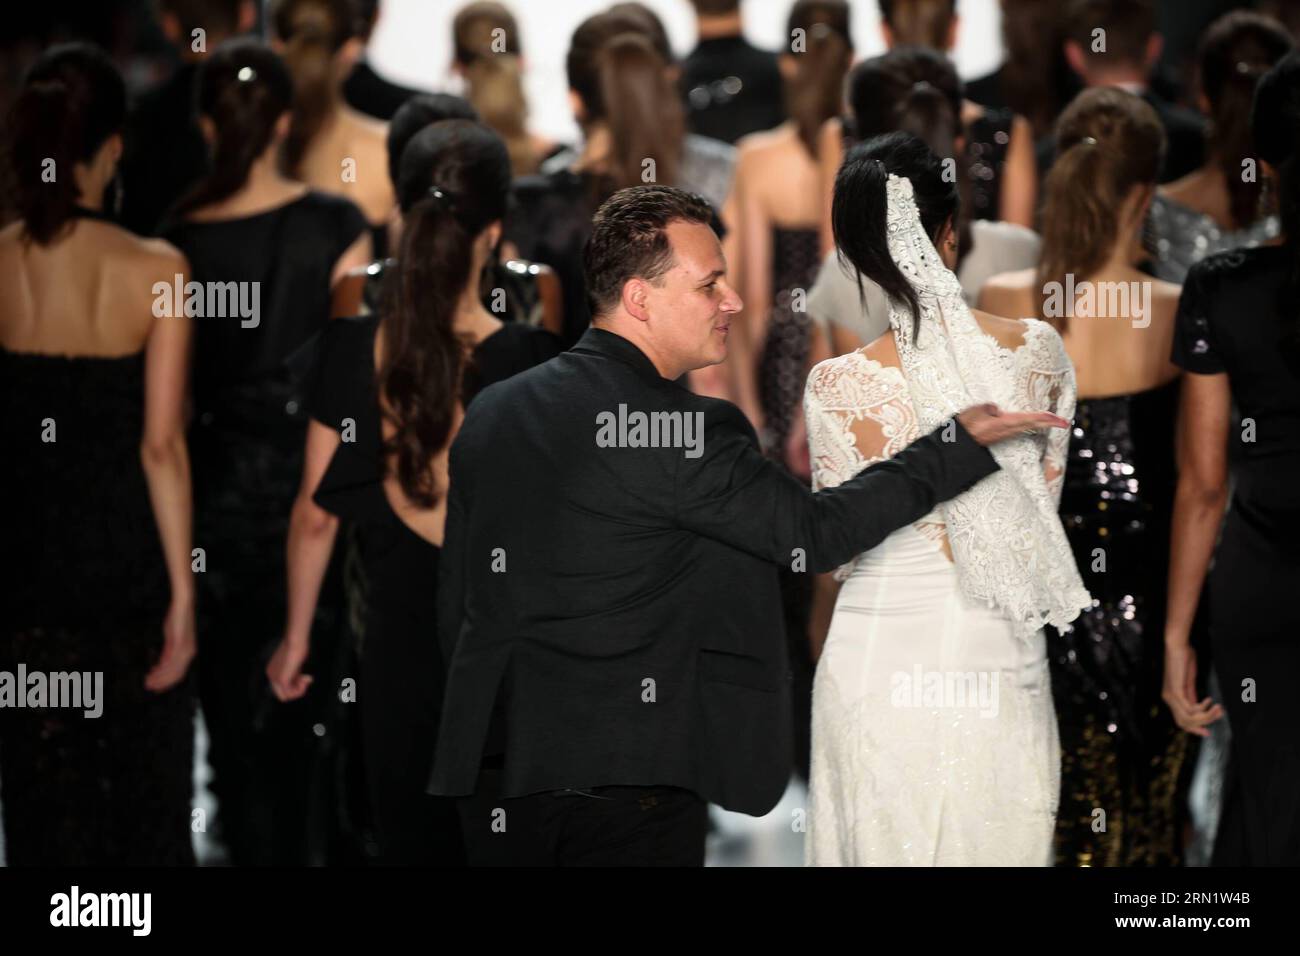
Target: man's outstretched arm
733,494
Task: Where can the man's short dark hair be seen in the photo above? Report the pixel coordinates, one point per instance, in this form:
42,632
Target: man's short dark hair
628,239
1128,25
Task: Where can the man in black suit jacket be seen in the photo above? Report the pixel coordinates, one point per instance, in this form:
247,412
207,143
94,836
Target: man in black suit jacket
608,573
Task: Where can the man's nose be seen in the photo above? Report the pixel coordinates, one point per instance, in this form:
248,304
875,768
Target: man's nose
731,301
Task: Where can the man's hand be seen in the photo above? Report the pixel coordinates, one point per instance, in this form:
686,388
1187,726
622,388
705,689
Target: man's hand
988,424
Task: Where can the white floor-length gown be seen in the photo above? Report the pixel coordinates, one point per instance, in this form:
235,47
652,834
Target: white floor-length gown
934,738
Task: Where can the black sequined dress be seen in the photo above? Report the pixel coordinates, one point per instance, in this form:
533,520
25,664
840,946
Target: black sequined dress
1123,760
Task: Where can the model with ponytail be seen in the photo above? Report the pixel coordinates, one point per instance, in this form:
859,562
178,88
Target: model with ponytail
1229,202
95,568
622,87
778,215
284,248
387,396
331,146
993,565
1122,750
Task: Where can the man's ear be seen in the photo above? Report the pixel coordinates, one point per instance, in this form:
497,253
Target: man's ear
635,296
1075,56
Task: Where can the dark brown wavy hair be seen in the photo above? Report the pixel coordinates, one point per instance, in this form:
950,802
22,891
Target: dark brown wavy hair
1107,142
419,375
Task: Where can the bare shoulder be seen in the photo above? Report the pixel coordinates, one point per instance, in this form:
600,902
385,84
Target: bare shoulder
1009,333
154,257
882,349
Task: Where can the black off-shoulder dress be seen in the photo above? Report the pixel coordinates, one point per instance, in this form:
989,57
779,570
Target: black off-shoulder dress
402,672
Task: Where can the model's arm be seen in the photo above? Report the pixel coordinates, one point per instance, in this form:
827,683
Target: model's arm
312,530
1199,503
166,463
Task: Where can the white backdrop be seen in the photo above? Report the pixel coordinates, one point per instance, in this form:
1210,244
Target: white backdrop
412,42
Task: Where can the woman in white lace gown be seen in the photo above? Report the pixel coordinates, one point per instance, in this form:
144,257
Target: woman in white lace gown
934,738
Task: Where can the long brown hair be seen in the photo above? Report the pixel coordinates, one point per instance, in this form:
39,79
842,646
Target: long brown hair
1107,142
312,32
1236,51
622,80
814,93
453,182
494,75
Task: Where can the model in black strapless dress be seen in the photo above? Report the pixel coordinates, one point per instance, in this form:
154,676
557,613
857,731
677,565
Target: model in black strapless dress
83,587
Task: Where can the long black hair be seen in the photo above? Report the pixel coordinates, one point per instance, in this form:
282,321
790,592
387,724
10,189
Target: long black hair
414,115
453,182
71,102
859,208
243,88
1275,120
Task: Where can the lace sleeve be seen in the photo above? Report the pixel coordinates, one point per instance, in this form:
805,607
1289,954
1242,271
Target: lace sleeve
1051,388
858,413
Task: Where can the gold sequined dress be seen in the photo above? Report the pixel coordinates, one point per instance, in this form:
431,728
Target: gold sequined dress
1124,762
